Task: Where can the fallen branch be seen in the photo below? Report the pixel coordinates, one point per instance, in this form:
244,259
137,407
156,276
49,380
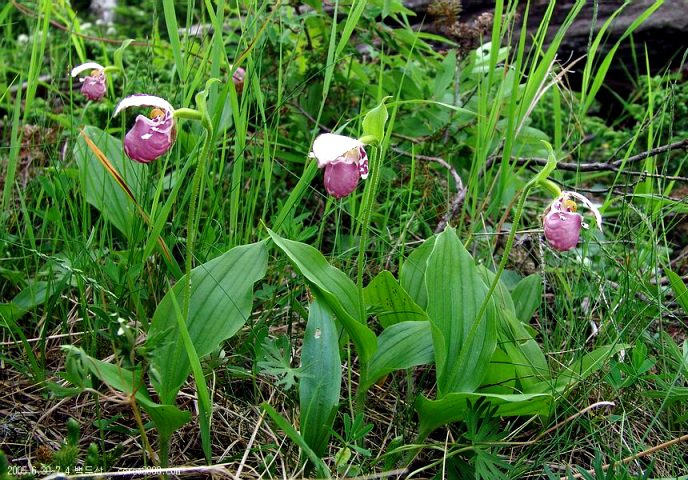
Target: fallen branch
612,165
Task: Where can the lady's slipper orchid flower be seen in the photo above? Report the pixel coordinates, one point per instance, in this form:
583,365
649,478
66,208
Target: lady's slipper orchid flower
149,138
93,86
345,162
562,223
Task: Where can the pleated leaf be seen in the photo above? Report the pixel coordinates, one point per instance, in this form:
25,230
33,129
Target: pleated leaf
167,418
524,352
389,302
401,346
412,275
320,379
455,292
220,304
336,289
527,297
435,413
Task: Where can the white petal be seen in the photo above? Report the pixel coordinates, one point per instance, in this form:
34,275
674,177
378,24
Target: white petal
86,66
587,203
328,147
143,100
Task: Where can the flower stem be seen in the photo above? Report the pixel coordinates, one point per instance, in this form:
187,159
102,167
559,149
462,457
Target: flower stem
193,220
366,211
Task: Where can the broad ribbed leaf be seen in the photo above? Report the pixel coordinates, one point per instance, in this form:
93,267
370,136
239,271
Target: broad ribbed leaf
501,294
220,304
525,353
527,297
100,188
451,408
412,275
456,292
501,374
403,345
320,379
336,289
386,299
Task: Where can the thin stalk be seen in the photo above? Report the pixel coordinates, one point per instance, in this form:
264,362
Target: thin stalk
194,215
142,429
367,208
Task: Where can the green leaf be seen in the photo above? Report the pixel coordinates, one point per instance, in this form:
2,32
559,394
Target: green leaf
35,293
117,57
501,374
501,294
374,122
291,432
220,304
99,187
320,378
527,297
679,288
313,265
412,275
389,302
445,75
204,404
403,345
167,418
336,289
451,408
120,379
277,362
523,351
455,294
669,392
579,370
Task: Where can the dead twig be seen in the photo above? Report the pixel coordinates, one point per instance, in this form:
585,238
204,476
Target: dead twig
613,165
27,11
633,457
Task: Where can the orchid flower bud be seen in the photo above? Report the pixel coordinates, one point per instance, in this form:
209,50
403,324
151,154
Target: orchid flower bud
345,162
149,138
563,224
93,86
238,79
